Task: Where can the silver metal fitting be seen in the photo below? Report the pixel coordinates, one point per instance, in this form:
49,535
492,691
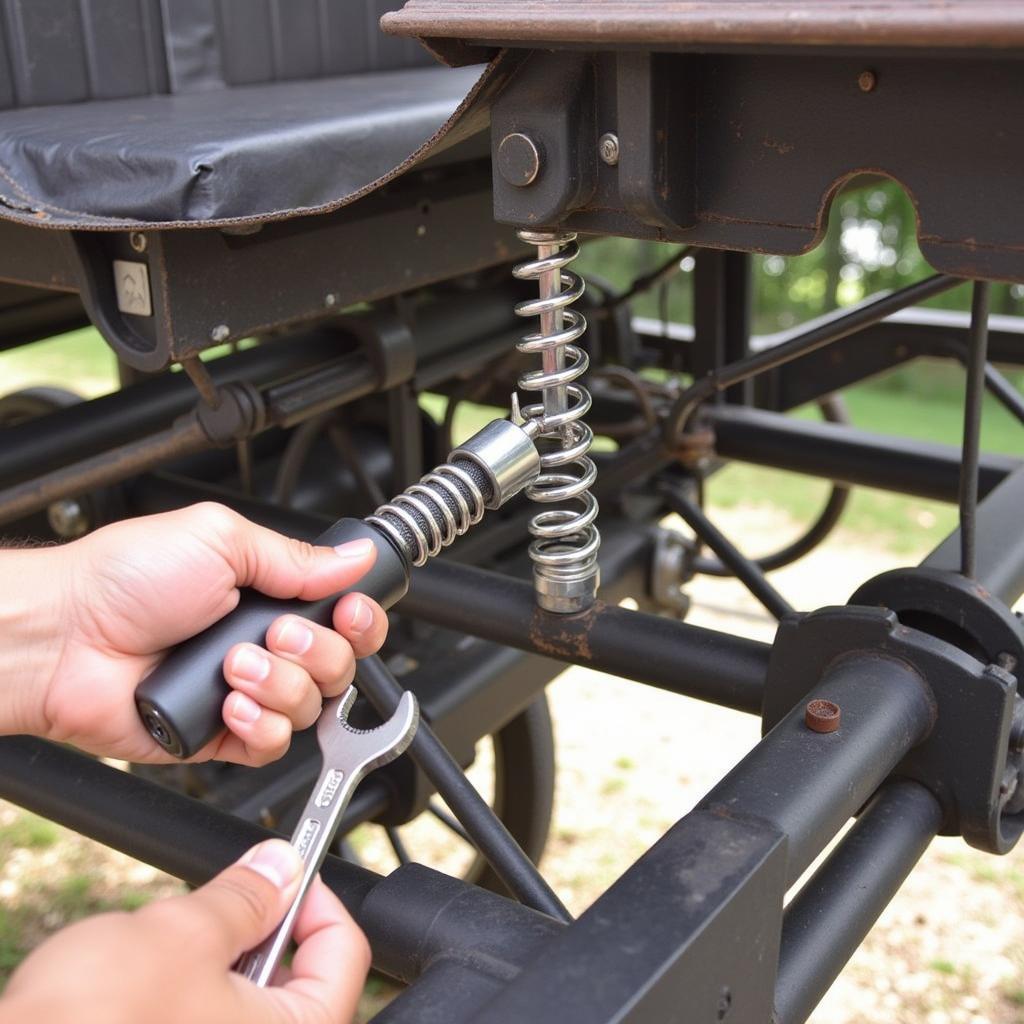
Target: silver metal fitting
608,147
428,516
507,454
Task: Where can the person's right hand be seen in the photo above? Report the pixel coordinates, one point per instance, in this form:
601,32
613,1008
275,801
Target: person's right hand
170,962
85,622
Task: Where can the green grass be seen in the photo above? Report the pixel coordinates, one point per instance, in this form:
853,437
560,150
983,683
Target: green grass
28,831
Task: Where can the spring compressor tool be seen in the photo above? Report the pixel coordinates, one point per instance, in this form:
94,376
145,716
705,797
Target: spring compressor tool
180,702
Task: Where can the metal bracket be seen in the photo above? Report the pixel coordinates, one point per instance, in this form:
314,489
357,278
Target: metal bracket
967,759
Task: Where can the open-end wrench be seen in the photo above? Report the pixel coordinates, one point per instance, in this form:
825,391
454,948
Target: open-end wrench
348,756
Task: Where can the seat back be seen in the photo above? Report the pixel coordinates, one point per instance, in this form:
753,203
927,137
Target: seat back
67,51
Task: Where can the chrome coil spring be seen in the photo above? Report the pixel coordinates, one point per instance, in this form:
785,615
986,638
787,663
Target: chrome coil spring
429,515
566,541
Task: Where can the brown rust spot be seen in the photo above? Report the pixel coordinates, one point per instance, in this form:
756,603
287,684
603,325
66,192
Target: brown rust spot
782,148
565,637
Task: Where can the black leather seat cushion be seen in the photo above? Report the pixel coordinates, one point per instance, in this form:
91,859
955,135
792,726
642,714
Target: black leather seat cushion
241,153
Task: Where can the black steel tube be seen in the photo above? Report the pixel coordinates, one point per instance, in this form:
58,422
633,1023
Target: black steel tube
835,909
977,355
805,342
848,455
413,917
487,831
78,431
743,568
671,655
341,381
999,553
808,784
185,437
173,832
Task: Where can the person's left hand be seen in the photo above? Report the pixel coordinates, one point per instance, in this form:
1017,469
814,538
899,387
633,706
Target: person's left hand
105,610
170,962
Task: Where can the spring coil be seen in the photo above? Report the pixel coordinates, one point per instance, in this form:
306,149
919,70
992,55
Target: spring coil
429,515
566,540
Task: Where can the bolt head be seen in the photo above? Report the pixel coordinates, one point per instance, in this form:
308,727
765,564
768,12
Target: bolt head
220,333
822,716
866,81
518,159
137,240
330,300
608,147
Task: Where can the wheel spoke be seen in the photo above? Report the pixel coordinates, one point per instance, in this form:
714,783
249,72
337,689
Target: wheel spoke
397,845
446,819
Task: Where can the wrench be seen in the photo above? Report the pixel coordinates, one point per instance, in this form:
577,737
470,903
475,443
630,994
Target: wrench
348,755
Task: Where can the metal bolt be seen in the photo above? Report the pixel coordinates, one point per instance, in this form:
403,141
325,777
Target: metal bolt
137,240
608,147
518,159
330,300
822,716
67,518
866,81
421,230
220,333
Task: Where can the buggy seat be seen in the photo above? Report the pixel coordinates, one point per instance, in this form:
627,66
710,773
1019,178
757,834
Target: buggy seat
132,113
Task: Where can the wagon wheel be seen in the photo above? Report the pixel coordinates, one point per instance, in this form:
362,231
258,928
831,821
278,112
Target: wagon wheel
73,516
515,772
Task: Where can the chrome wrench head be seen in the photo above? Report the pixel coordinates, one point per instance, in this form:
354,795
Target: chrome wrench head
348,754
360,751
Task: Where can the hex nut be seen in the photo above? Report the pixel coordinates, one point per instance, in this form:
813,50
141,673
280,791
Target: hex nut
608,147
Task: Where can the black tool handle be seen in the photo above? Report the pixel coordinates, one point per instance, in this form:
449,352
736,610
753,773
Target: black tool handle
180,701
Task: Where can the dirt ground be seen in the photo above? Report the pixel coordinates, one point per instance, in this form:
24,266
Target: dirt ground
948,950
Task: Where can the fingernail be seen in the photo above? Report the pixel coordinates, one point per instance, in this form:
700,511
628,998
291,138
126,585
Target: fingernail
294,637
251,665
276,860
361,618
245,709
354,549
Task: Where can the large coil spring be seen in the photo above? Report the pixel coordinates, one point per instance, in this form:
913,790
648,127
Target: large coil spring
566,540
429,515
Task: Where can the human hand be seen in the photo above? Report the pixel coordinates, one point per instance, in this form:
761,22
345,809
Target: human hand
121,597
171,961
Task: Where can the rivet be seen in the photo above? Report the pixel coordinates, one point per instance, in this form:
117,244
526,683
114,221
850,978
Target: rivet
866,81
220,333
137,240
518,159
330,300
822,716
608,147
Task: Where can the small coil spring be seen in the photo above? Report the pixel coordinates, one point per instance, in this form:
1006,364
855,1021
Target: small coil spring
566,542
429,515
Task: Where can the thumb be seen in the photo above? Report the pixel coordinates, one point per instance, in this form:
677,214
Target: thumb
241,906
284,567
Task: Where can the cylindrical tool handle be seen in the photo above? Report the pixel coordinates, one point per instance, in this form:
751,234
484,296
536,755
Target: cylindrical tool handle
181,700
